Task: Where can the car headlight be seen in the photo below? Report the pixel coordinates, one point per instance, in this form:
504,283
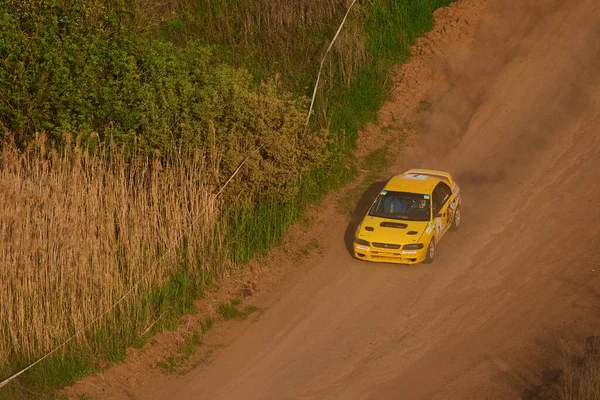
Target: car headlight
361,241
417,246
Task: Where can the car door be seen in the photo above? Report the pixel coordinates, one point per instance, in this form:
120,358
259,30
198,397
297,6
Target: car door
436,207
442,195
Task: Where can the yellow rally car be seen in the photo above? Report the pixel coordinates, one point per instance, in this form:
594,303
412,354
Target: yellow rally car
409,217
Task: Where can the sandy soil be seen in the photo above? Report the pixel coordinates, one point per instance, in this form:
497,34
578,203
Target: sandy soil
516,117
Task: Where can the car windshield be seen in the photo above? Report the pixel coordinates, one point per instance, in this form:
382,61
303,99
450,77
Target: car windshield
402,206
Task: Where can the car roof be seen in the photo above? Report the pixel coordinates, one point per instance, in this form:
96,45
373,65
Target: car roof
412,183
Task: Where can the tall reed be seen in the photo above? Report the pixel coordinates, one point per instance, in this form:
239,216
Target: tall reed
79,228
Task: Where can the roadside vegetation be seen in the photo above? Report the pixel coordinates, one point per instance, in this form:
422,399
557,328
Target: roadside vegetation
579,377
120,122
581,381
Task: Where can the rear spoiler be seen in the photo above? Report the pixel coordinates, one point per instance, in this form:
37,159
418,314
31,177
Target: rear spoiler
439,174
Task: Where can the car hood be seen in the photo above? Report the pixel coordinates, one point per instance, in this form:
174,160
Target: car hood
392,231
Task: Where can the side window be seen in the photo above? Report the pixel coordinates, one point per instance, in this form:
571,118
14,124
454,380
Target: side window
441,194
436,202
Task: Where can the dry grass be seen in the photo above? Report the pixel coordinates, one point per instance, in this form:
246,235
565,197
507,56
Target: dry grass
275,36
582,383
579,375
234,19
270,17
78,229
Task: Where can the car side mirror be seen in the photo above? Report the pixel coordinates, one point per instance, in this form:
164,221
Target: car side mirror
438,214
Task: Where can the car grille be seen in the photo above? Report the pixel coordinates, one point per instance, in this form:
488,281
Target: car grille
386,246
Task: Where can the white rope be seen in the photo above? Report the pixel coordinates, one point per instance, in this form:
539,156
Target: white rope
312,102
106,312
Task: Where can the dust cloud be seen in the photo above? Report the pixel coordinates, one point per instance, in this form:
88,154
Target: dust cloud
460,122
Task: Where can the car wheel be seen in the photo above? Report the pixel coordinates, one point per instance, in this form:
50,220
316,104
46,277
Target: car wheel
456,220
430,252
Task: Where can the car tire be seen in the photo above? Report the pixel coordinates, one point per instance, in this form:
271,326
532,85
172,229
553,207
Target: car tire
456,219
430,252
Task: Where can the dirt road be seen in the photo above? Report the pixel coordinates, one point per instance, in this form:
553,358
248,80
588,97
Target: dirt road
519,126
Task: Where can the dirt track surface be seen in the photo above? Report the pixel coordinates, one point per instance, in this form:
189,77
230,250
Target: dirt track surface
518,123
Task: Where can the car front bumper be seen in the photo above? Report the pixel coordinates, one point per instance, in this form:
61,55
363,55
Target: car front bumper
375,254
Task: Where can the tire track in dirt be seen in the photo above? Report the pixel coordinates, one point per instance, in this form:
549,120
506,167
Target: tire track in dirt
516,119
530,144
